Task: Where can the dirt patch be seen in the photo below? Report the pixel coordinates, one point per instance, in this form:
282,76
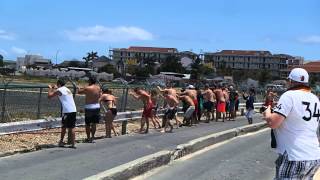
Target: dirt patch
31,141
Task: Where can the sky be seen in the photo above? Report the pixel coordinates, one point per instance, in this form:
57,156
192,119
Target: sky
64,30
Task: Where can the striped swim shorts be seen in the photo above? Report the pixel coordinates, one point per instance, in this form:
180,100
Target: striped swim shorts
292,170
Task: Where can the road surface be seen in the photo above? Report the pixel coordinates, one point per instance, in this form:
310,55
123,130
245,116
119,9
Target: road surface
248,157
90,159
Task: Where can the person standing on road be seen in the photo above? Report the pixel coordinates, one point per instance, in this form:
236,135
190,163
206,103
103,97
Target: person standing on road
108,104
171,109
208,105
145,97
189,114
295,120
221,104
69,110
92,107
233,95
249,105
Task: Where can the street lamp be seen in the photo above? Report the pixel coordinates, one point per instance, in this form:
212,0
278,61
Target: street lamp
57,56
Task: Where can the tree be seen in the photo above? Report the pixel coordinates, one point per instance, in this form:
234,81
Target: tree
74,63
1,61
172,64
108,68
91,56
264,76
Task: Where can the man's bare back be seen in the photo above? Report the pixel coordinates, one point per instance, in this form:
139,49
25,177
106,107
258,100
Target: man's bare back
92,93
220,95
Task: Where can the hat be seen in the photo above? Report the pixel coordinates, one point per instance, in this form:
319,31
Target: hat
299,75
190,87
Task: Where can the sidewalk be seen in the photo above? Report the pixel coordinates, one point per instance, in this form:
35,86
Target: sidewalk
90,159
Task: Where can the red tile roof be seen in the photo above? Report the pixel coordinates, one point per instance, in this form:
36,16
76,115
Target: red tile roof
311,67
244,52
152,49
314,63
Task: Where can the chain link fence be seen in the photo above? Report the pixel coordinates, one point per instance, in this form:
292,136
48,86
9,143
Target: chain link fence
20,102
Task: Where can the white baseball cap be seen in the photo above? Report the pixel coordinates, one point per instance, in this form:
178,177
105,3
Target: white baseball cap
299,75
190,87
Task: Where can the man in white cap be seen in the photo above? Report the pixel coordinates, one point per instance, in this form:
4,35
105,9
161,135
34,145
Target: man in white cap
295,121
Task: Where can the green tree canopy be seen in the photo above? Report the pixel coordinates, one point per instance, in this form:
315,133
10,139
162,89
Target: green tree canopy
172,64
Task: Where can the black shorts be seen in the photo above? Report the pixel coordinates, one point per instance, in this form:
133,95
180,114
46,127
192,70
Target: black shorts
170,113
69,120
92,116
208,105
114,111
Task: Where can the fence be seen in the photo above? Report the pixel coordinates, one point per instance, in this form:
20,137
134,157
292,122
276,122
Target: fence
24,102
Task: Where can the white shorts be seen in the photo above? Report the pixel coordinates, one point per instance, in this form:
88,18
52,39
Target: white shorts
189,112
92,106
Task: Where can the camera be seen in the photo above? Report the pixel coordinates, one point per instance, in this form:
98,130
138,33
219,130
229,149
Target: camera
264,108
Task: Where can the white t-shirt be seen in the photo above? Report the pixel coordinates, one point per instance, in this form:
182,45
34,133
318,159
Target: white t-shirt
66,99
297,135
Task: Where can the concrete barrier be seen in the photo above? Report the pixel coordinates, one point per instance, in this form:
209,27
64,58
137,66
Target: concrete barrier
144,164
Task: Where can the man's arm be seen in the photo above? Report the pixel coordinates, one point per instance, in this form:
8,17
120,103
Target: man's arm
52,92
81,90
134,95
274,120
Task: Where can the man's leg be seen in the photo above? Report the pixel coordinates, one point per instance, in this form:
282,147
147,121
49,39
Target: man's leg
147,122
63,133
88,131
73,136
143,119
93,130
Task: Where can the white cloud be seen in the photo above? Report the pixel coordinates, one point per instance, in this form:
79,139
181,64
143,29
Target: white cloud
18,51
3,52
314,39
6,35
109,34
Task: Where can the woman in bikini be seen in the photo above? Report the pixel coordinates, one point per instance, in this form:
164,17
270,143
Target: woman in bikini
155,119
108,104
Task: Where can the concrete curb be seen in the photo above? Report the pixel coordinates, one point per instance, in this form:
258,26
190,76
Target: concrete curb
146,163
134,168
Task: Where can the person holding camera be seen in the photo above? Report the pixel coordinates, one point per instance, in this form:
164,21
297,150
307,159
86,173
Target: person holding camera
295,120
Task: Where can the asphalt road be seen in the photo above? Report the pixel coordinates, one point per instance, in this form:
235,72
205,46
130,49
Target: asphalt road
248,157
90,159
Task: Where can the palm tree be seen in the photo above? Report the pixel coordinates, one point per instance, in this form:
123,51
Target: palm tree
91,56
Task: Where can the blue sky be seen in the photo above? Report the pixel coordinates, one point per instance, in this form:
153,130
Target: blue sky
75,27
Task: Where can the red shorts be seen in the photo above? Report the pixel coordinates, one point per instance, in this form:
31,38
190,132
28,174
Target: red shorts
195,101
147,110
221,107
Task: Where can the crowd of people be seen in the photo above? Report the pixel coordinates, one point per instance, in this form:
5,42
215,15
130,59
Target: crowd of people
294,119
212,103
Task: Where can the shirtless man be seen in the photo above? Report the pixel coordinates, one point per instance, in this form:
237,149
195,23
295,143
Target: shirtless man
145,97
108,104
170,90
172,103
173,92
208,105
92,107
192,93
188,115
227,98
221,103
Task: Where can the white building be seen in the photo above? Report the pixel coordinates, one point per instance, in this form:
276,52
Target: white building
29,60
